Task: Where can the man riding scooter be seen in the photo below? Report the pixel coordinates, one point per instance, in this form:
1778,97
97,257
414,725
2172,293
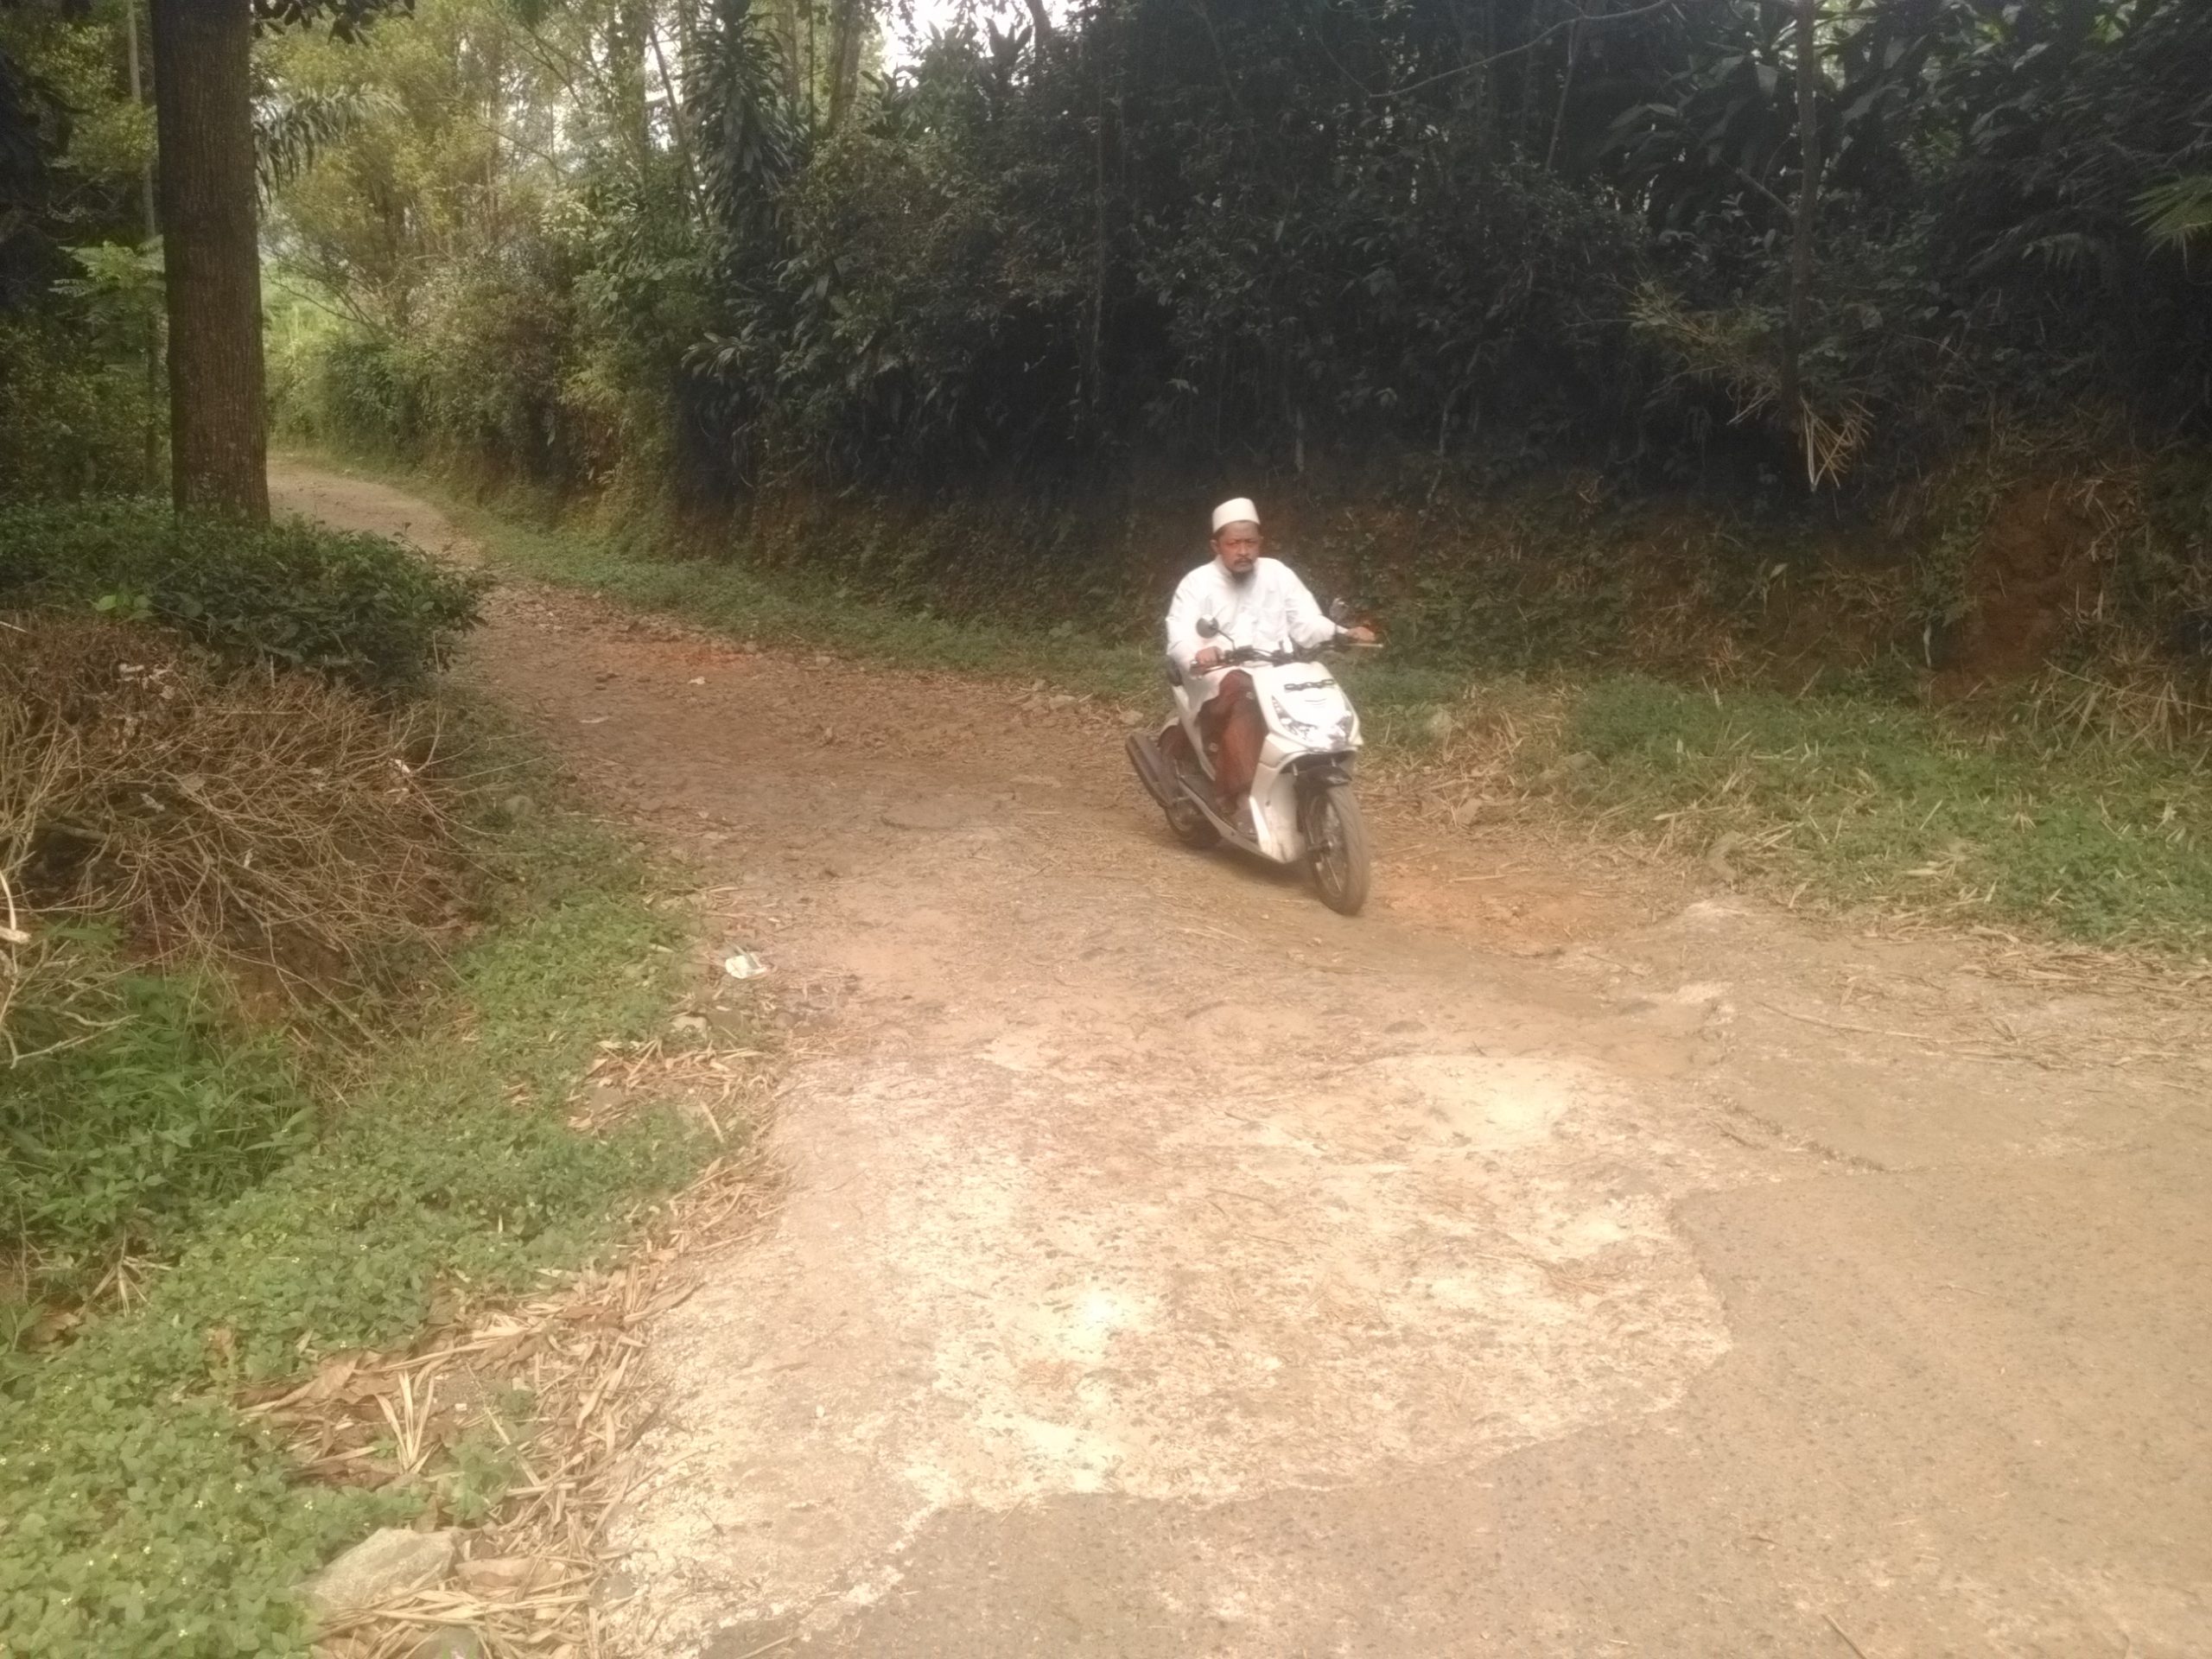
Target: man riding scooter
1247,599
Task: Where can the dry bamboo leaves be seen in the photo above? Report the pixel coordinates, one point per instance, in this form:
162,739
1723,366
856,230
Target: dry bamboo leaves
544,1388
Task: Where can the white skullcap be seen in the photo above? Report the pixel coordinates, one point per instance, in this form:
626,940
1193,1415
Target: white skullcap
1239,511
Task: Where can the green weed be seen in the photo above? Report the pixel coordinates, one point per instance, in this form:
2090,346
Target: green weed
140,1514
121,1142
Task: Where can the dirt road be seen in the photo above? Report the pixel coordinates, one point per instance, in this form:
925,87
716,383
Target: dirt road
1551,1262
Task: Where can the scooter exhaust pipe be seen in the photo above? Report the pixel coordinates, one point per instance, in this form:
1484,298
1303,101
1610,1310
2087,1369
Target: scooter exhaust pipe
1151,769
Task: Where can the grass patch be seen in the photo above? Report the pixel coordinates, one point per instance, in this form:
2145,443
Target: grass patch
735,599
117,1142
140,1513
1987,819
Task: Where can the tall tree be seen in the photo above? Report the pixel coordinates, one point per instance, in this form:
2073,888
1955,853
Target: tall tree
1041,25
203,92
851,22
1807,213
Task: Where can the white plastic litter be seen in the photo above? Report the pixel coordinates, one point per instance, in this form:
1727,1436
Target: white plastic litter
743,964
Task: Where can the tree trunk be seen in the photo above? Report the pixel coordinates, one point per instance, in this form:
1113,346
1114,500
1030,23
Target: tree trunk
1040,24
1094,349
626,83
151,217
788,28
1809,202
850,22
218,437
679,124
1566,91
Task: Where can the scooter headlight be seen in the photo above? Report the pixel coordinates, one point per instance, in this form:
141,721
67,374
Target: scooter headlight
1305,730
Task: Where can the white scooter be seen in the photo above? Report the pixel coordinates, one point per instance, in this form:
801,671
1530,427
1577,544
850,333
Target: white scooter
1301,810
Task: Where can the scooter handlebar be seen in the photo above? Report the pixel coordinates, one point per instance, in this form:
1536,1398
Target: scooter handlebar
1239,656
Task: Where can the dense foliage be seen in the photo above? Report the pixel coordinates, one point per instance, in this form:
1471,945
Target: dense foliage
698,240
1255,233
80,400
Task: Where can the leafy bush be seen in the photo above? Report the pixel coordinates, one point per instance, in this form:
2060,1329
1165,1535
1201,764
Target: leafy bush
354,607
353,391
485,359
72,420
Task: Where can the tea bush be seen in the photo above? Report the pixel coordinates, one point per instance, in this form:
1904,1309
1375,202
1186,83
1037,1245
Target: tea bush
360,608
72,420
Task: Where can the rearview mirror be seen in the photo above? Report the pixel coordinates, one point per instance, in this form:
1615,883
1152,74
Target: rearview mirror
1339,613
1208,627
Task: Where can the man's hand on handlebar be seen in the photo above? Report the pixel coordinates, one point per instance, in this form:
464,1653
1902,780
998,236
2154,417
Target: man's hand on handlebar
1359,634
1208,658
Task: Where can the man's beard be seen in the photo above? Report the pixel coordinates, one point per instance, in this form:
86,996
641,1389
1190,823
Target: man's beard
1240,577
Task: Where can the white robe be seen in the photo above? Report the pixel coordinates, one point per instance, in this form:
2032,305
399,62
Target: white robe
1271,609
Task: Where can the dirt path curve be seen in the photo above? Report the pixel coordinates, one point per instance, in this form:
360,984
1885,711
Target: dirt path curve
1170,1267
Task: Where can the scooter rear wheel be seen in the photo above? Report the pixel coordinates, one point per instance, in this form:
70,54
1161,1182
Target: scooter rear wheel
1336,841
1192,827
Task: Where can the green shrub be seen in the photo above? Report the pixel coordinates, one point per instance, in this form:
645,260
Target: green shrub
73,419
360,608
354,391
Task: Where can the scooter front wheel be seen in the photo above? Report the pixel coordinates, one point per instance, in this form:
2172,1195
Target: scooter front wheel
1336,848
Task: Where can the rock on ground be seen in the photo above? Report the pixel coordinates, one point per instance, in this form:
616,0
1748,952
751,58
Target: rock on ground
387,1564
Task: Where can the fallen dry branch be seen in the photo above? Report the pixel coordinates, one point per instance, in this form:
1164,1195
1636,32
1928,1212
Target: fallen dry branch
265,818
2135,699
708,1080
